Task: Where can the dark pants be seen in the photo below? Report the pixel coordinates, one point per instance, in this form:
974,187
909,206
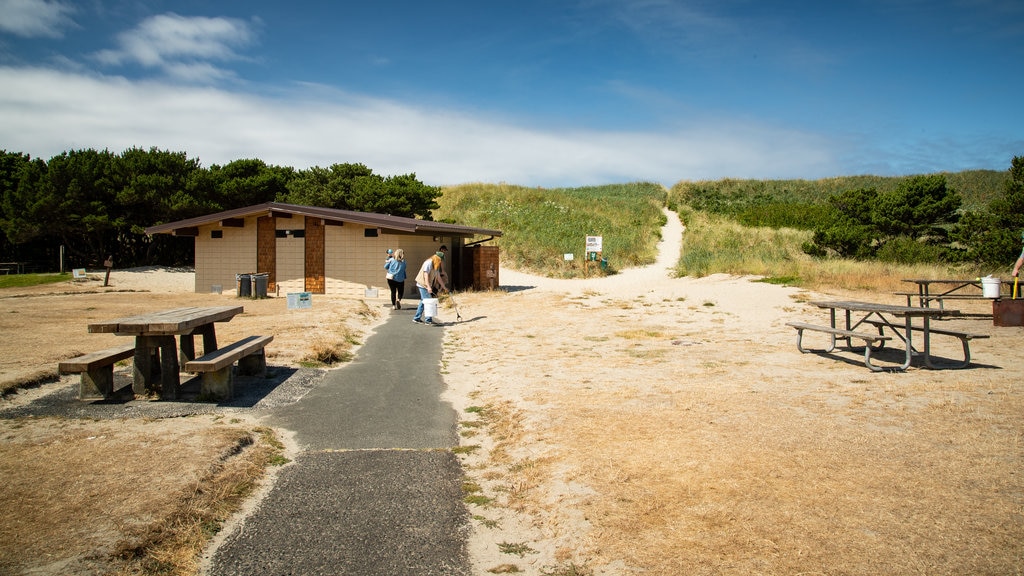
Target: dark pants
397,291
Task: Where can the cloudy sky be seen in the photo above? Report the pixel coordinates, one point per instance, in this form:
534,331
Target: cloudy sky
530,92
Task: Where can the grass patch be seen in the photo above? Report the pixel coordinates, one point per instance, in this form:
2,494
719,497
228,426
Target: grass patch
477,499
517,549
541,225
23,280
570,569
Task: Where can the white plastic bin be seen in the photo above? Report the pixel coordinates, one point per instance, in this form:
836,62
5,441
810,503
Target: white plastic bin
990,287
429,307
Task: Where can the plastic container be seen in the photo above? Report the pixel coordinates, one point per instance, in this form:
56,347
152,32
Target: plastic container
990,287
429,307
259,284
244,285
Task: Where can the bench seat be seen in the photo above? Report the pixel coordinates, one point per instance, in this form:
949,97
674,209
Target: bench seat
97,370
840,334
965,338
216,368
940,298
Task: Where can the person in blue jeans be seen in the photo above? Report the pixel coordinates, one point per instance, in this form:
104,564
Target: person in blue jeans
395,268
429,274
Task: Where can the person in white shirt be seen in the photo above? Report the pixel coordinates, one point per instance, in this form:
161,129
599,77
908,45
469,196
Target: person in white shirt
429,274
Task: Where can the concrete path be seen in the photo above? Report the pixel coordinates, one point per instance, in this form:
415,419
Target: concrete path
374,489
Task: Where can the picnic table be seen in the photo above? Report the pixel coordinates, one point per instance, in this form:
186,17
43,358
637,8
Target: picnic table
939,290
897,320
15,267
156,353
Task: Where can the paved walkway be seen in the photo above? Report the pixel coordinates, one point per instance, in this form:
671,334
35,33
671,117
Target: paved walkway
373,490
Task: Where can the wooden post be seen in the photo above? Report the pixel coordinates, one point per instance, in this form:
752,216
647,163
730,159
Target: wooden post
108,264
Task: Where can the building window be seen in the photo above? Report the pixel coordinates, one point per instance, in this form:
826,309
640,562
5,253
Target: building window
370,233
216,233
290,233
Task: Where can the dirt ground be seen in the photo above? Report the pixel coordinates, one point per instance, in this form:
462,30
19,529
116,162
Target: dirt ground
646,424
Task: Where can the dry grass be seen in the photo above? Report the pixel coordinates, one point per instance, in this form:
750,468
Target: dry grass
725,451
126,497
135,496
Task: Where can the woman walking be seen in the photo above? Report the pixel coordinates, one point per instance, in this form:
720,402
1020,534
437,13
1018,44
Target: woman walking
395,267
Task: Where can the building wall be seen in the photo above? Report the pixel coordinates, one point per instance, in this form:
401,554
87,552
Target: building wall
352,260
218,260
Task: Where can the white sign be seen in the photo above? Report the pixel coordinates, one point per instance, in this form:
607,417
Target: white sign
594,244
568,256
300,300
79,274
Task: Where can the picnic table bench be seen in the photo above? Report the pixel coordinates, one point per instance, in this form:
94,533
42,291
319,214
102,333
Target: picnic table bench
964,337
216,367
879,316
97,372
945,289
156,356
839,334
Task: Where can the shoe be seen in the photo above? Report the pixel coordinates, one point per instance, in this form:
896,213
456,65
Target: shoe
398,305
417,321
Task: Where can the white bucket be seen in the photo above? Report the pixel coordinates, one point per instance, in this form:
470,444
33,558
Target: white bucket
990,287
429,307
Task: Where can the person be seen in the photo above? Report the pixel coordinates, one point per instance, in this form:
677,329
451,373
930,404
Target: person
395,266
442,274
425,280
1020,259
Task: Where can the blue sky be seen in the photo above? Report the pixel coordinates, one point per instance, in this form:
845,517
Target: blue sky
538,93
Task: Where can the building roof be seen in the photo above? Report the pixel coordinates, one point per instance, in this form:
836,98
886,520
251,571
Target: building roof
382,221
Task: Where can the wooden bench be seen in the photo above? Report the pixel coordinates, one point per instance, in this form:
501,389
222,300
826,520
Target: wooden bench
839,334
217,370
97,369
965,338
925,300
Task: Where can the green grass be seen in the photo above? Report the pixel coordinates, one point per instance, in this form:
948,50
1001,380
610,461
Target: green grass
541,225
22,280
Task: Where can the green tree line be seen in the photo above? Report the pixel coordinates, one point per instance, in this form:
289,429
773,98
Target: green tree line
96,204
972,216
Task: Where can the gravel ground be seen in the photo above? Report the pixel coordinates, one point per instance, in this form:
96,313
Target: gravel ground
281,386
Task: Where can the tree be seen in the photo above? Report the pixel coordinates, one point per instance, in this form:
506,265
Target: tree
909,224
993,236
356,187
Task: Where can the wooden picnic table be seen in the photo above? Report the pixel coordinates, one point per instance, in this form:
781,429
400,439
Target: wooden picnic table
156,351
897,319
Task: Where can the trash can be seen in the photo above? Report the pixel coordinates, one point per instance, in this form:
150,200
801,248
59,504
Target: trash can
604,263
244,285
259,285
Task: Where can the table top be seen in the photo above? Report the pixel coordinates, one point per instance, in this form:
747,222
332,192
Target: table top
176,321
894,309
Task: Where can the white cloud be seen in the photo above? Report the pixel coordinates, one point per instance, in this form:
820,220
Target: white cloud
35,18
46,112
183,47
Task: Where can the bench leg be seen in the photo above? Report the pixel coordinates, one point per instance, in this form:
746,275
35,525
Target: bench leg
96,383
217,385
800,344
146,363
253,365
967,357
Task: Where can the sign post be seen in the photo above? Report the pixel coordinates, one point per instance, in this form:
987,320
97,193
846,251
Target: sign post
594,245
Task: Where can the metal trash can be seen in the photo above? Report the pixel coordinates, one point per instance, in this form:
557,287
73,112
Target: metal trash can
244,282
259,284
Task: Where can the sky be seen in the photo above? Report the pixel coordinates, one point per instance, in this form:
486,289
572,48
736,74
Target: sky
547,93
